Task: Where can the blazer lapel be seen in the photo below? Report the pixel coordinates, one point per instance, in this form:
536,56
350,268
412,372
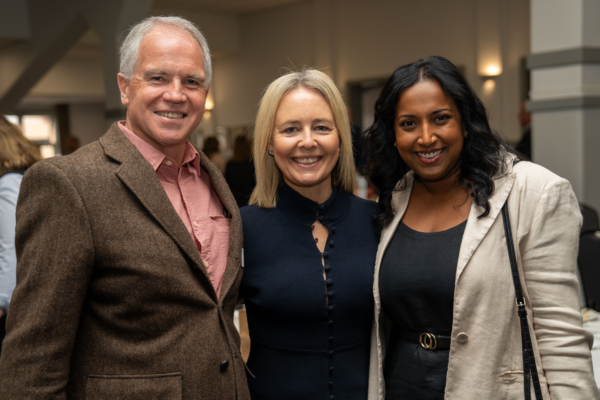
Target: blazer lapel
399,204
139,176
477,228
221,188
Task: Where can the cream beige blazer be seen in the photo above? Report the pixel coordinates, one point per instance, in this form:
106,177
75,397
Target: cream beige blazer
488,364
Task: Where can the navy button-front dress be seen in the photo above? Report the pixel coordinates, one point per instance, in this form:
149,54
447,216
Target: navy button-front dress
310,324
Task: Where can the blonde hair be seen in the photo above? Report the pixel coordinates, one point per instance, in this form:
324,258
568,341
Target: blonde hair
16,151
268,176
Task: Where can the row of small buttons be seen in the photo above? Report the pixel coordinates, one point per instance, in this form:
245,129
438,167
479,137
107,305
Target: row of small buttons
329,308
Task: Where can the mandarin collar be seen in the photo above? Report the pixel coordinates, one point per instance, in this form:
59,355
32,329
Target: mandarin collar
306,211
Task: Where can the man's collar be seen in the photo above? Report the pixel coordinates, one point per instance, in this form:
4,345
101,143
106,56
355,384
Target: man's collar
156,157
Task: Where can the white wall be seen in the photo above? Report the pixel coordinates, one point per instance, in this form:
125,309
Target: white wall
270,42
348,39
369,40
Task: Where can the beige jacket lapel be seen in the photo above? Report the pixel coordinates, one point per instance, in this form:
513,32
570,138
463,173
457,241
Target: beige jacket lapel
477,228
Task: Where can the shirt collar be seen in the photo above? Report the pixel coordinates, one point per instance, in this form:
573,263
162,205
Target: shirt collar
306,211
156,157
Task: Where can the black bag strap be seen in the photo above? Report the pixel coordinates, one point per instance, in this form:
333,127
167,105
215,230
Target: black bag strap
529,367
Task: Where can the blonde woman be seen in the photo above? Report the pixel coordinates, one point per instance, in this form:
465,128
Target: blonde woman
309,248
16,155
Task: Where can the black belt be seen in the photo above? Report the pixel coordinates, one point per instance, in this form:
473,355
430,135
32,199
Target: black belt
428,341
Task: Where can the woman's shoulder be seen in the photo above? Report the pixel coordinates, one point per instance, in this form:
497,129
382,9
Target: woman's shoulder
253,214
10,183
361,204
252,211
536,177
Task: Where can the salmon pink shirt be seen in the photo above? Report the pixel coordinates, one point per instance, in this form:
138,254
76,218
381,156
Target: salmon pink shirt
194,200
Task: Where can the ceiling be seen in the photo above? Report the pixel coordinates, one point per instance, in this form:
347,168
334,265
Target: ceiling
226,6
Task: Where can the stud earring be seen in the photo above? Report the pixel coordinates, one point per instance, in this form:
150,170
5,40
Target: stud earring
270,152
395,144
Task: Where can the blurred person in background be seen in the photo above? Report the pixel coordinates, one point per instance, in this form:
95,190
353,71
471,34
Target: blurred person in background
239,172
309,248
17,154
211,150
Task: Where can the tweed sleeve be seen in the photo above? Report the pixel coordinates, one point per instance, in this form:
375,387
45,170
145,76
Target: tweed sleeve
55,256
549,257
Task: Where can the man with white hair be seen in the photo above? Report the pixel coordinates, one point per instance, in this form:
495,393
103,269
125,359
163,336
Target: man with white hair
129,249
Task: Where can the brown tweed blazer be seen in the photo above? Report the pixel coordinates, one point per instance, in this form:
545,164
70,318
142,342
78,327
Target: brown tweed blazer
112,298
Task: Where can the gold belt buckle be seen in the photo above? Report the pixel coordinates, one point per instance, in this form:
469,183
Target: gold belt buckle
428,341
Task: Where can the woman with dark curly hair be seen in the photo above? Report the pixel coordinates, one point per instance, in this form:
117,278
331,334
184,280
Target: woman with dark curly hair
446,322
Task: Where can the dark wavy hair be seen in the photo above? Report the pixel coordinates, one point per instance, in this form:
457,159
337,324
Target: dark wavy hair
481,157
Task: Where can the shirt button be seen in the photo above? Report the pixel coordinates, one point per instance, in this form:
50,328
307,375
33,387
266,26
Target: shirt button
224,365
329,281
332,397
321,206
331,243
462,337
331,369
325,254
330,294
195,224
333,229
320,217
327,268
169,163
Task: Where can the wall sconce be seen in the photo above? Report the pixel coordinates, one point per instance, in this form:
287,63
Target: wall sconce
209,105
491,71
489,85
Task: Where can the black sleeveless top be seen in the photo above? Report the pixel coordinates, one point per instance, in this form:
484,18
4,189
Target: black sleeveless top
416,283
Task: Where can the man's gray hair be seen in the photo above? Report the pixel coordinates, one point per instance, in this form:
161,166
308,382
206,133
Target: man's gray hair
131,45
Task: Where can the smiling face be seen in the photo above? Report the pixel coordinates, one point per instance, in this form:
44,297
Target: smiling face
305,143
429,134
166,95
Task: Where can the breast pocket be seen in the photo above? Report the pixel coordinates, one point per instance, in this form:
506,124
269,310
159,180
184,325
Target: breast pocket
221,224
513,382
134,387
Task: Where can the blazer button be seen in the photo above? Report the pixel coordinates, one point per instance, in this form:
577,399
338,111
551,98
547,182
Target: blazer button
224,365
462,337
